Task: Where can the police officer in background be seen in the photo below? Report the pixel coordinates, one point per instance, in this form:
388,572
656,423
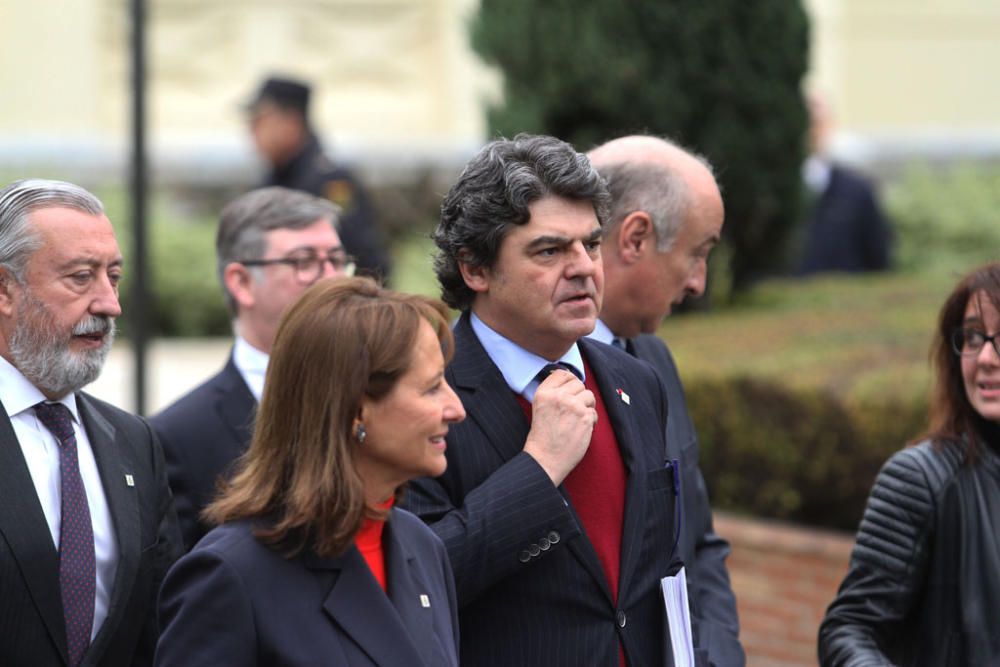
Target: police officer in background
282,134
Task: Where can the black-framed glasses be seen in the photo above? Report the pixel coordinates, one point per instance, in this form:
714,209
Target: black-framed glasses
969,342
309,267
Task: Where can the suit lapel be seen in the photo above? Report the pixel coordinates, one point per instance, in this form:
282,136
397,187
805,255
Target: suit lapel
236,405
610,380
26,532
361,608
407,587
114,462
488,401
491,404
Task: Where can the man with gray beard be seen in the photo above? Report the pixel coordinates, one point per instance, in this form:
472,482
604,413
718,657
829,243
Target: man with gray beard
87,525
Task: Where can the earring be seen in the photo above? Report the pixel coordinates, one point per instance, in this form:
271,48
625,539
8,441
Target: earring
360,434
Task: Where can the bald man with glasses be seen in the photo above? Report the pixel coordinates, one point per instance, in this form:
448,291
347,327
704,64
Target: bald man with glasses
271,245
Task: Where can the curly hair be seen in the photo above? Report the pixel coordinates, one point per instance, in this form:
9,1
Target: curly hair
494,192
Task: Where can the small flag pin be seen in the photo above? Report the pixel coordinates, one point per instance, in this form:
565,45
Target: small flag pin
625,399
425,601
129,480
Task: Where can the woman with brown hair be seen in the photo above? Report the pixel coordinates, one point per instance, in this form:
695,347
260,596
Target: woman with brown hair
923,586
310,563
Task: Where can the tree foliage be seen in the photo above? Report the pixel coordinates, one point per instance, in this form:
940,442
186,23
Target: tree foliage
719,76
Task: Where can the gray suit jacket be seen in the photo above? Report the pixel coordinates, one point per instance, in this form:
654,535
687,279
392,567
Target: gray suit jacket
32,630
713,605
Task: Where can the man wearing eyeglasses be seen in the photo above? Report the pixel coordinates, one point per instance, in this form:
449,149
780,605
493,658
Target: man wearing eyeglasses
271,245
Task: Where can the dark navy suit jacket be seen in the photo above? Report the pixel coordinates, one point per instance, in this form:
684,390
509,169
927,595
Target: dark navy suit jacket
202,434
531,588
713,605
233,601
32,629
846,230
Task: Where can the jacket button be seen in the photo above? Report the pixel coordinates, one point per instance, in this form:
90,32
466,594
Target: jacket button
544,544
620,617
524,556
554,537
534,550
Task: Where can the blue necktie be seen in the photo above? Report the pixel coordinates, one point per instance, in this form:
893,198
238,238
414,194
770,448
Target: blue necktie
77,568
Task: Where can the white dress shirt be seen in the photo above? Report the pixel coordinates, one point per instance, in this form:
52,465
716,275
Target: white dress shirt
816,174
41,453
252,365
518,366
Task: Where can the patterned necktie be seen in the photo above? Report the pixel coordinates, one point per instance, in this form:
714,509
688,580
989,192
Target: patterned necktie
77,569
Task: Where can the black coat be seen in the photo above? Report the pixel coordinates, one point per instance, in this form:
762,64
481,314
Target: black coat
846,230
234,602
32,629
713,605
202,433
923,586
311,171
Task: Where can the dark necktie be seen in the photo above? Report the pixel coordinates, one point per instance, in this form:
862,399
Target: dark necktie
77,569
559,365
623,344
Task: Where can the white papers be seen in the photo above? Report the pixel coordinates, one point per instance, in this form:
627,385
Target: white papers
675,599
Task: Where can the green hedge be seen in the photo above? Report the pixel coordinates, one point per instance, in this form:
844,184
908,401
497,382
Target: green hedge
801,455
186,296
945,216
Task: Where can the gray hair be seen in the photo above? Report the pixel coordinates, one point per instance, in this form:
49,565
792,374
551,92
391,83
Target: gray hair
493,193
18,241
656,189
245,221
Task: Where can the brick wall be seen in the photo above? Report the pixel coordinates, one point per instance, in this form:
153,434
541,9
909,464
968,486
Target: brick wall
784,576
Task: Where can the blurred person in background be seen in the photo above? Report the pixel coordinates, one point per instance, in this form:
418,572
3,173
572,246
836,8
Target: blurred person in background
844,228
923,587
666,216
87,526
285,139
311,564
271,245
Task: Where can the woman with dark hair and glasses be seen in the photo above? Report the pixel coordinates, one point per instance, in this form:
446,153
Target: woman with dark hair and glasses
923,586
310,563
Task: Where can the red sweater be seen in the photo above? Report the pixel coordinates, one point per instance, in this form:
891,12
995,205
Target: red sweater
369,543
596,487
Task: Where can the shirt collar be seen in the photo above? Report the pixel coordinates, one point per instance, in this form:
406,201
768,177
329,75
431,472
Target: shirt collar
518,366
601,333
816,172
18,394
252,365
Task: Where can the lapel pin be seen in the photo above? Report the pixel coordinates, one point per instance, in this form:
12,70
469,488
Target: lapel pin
129,481
625,399
425,601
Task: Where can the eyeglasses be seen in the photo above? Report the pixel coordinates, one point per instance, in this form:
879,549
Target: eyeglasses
969,342
309,267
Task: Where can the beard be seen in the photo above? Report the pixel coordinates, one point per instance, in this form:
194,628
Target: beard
41,351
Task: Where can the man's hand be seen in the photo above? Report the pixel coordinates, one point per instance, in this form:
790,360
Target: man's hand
563,418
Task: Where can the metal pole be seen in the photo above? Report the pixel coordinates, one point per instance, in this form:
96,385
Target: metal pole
138,311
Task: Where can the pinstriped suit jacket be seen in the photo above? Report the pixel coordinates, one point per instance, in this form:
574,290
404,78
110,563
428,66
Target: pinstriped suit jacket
530,587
